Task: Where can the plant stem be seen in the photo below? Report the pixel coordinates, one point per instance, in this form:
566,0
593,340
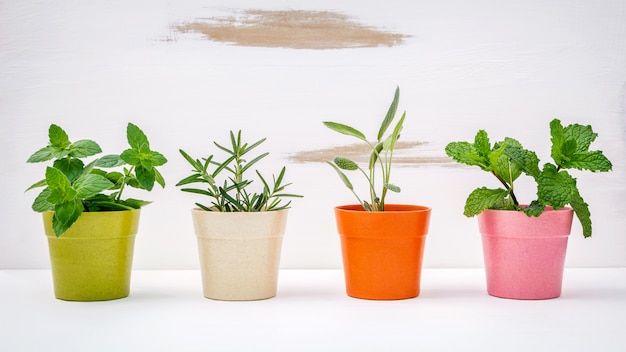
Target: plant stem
126,174
507,187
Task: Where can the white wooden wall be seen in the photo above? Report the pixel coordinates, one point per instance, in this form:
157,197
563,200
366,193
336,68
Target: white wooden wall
505,66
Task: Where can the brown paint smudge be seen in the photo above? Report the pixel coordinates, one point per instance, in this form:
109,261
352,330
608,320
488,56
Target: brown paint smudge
291,29
360,153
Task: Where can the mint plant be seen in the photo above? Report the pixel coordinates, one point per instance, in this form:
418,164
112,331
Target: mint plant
72,187
507,160
232,193
381,157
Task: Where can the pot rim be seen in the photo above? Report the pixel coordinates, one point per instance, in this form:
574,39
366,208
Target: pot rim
395,208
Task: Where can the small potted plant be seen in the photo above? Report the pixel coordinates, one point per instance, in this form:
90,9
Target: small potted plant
89,225
382,244
240,231
524,244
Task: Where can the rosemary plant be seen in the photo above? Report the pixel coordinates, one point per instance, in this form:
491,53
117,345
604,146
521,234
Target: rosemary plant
232,192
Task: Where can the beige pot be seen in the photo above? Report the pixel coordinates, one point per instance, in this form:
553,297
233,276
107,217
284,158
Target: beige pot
239,253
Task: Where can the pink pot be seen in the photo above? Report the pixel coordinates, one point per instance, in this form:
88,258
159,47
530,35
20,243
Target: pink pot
525,256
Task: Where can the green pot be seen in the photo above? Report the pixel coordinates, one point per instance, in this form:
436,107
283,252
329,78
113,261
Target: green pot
92,261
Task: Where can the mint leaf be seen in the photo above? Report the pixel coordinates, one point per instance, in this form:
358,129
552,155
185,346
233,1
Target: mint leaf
159,178
41,203
557,136
465,153
582,136
65,214
157,158
71,168
482,145
592,161
136,138
84,148
483,198
555,188
533,209
131,157
61,190
581,209
91,184
145,177
58,138
37,184
43,154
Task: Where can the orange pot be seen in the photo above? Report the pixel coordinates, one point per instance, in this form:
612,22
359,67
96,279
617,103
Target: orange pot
382,251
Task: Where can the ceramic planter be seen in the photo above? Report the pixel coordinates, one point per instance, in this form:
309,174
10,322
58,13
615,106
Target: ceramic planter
239,253
525,256
92,261
382,251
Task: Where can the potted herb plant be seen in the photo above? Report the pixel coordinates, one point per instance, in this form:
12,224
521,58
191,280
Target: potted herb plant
382,244
524,244
90,227
240,231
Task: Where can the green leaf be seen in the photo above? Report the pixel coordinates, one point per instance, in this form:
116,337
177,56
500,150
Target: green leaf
72,168
136,138
38,184
109,161
253,161
582,136
375,155
533,209
58,138
84,148
392,187
555,188
466,153
196,164
346,164
592,161
581,209
91,184
146,177
198,191
157,158
483,198
390,143
345,129
132,157
43,154
391,113
557,136
65,214
159,178
342,176
482,145
41,203
61,190
526,160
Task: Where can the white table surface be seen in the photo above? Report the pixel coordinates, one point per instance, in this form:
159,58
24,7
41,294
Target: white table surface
311,312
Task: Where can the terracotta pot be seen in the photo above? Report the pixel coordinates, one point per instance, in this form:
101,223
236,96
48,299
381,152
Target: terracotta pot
239,253
382,251
92,261
525,256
